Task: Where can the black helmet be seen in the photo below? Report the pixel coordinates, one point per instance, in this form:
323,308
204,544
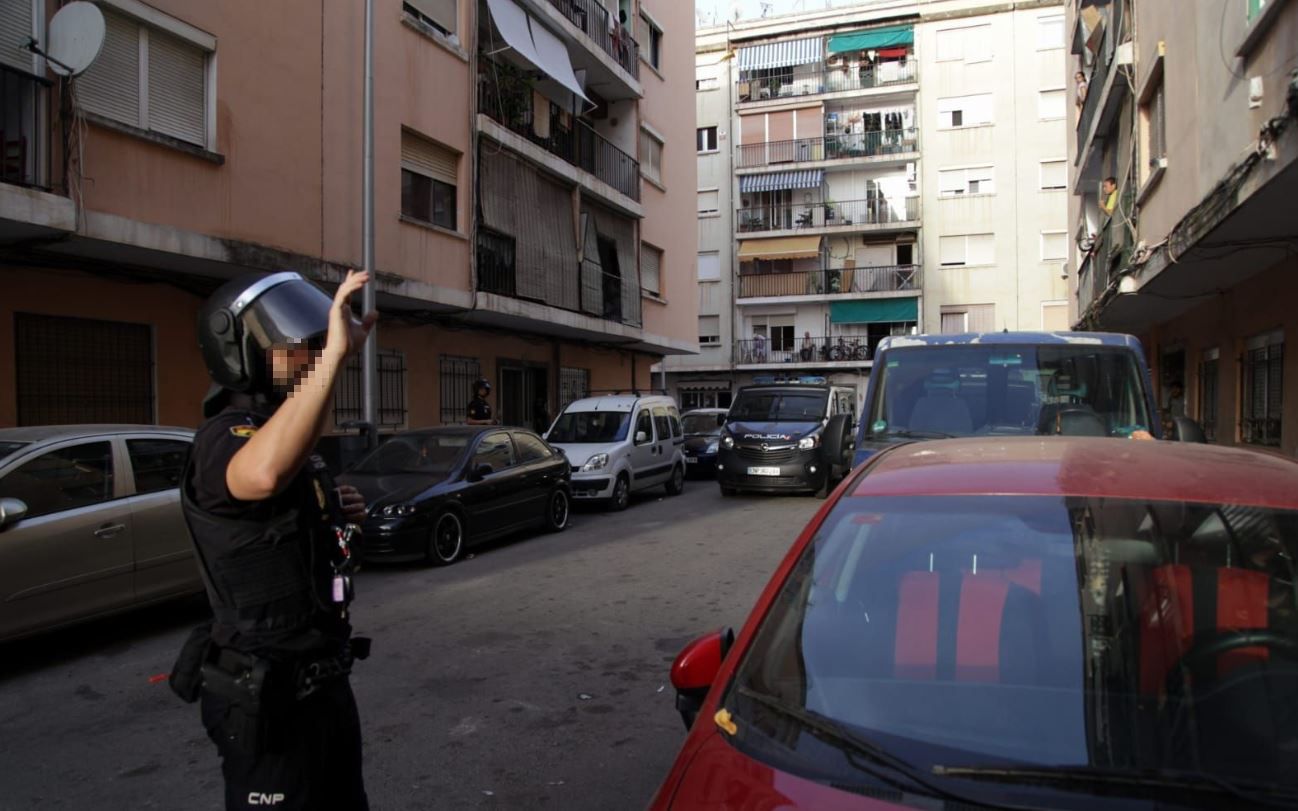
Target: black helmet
249,315
480,384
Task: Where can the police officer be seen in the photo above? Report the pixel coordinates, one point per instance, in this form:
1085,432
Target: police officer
266,520
479,412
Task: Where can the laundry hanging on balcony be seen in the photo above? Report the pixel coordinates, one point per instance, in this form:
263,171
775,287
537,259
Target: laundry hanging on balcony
894,38
779,181
538,48
782,54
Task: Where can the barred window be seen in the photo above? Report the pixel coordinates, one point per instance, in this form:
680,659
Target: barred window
1263,389
1208,391
574,384
349,396
457,377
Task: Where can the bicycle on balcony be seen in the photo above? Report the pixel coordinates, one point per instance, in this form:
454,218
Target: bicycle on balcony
846,350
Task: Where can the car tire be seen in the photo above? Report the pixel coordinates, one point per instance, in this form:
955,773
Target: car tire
558,509
621,498
676,484
446,540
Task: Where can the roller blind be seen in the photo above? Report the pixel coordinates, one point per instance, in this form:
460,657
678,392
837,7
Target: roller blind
111,85
429,158
651,260
176,79
441,12
15,31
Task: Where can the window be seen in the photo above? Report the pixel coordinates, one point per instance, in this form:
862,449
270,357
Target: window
704,398
674,419
1263,389
973,180
1054,316
709,330
965,250
964,111
1051,104
702,83
643,425
651,261
1050,32
80,370
706,139
662,422
1153,125
63,479
428,181
710,267
494,450
969,44
1208,393
651,157
157,77
1054,174
531,449
651,42
440,14
457,377
157,463
709,202
349,394
1254,8
968,318
1054,246
574,384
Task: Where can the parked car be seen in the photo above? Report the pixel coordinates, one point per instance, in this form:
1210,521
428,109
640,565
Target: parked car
433,493
702,428
620,444
791,436
1017,622
1010,384
90,523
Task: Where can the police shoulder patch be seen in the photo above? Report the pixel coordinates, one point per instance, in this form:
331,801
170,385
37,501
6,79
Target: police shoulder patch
243,431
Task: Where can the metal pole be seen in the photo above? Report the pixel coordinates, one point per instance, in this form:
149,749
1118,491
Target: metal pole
369,357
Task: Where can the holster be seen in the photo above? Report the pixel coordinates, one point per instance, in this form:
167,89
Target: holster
243,681
186,679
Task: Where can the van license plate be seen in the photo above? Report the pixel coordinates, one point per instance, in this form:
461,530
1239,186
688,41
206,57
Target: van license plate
763,471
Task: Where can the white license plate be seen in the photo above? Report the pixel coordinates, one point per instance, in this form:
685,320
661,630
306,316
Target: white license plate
691,460
763,471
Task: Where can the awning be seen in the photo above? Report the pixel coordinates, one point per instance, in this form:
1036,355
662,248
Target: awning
512,23
554,58
778,181
535,44
874,311
872,38
781,54
779,248
704,385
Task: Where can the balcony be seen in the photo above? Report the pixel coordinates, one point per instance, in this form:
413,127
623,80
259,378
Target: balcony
593,21
852,215
883,143
822,80
1097,266
496,269
510,103
815,351
830,282
24,156
1107,87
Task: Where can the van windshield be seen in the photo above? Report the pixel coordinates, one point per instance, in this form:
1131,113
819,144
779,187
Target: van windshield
779,406
590,427
1009,390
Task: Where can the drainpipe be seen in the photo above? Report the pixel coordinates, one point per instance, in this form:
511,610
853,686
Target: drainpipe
369,357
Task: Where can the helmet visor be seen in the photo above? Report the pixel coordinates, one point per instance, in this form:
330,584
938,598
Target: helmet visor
294,313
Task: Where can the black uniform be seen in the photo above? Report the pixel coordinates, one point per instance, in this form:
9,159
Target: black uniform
275,696
479,409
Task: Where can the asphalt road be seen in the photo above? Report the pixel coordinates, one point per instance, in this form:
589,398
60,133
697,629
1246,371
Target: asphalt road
533,675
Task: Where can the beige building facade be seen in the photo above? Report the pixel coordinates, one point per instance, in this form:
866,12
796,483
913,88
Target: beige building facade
523,154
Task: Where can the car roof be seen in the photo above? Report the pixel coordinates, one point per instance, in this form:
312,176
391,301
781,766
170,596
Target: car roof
1011,338
615,402
47,433
705,411
1096,467
455,430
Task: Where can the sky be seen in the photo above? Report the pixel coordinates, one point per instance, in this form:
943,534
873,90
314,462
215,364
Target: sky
752,9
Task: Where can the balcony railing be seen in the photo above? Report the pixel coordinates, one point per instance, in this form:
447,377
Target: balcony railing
830,281
846,214
827,80
831,147
510,102
1100,72
24,158
593,20
1097,269
838,349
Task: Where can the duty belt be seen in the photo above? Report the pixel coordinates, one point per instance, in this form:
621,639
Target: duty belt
314,674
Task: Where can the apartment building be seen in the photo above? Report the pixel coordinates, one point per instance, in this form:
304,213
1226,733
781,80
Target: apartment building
1189,108
884,169
523,153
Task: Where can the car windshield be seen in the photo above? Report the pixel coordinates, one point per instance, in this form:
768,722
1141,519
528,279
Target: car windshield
589,427
9,447
975,390
1096,634
432,454
779,406
703,424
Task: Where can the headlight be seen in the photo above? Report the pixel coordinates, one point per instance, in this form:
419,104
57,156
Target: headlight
727,442
712,447
396,510
809,442
597,462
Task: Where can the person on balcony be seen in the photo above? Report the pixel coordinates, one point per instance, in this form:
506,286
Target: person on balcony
808,347
759,347
1109,196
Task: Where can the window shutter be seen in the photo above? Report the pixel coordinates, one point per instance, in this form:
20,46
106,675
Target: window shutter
982,249
948,44
1051,104
954,322
442,12
1054,174
950,181
951,250
15,31
982,318
1054,317
709,329
709,267
708,202
427,158
651,268
177,97
1054,246
111,86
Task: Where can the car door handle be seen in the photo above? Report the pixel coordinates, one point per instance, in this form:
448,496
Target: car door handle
109,530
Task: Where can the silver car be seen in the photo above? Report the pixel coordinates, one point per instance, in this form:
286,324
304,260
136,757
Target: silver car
90,523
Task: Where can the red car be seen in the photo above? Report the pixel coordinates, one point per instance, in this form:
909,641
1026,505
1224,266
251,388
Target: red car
1014,623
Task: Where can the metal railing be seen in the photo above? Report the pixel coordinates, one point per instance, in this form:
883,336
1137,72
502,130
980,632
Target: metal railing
827,80
510,102
496,268
594,21
1108,252
1109,41
830,281
830,147
24,155
821,349
846,214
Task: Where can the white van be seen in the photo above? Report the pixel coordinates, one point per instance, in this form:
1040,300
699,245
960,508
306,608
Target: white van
618,444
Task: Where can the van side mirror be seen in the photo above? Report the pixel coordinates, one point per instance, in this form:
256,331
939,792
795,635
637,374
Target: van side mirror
12,511
641,437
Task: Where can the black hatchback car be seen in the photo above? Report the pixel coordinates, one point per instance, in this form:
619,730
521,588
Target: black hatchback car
432,493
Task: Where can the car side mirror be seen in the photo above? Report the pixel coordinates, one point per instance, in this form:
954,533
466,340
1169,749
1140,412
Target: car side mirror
696,668
12,511
479,472
1185,429
641,437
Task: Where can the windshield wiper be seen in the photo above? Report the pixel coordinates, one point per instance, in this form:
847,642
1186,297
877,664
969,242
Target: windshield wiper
1081,777
908,434
864,753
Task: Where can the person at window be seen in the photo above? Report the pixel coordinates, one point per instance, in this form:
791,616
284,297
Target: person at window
479,410
1109,196
1176,399
1080,79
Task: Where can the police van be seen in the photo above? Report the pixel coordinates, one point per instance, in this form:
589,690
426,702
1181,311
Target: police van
787,435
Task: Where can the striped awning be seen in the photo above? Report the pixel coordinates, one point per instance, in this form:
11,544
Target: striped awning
778,181
782,54
779,248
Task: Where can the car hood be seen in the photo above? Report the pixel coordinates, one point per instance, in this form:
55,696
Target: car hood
700,443
393,488
578,454
770,431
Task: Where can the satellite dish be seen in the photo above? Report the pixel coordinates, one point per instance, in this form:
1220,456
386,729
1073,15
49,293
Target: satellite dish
76,36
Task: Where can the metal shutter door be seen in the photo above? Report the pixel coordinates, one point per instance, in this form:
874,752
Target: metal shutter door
441,12
429,158
651,268
177,85
111,86
15,31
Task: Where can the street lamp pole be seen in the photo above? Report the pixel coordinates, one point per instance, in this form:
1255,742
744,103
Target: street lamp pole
369,357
